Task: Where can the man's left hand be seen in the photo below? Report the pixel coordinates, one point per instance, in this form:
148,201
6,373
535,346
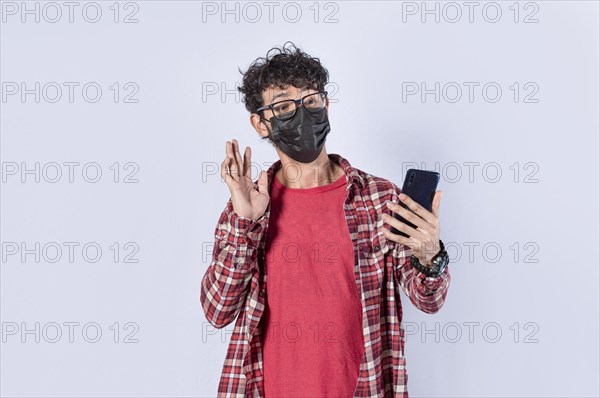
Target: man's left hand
423,240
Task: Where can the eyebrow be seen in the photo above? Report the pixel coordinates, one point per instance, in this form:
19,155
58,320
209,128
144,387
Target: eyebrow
281,94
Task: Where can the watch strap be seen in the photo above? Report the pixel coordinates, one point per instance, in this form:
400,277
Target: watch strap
427,270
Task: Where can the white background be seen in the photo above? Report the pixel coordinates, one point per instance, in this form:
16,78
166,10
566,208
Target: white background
541,292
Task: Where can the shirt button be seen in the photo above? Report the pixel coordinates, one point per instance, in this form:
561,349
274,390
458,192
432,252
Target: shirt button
261,293
365,251
376,248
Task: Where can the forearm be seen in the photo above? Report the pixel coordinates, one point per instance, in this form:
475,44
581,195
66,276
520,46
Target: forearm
225,284
428,294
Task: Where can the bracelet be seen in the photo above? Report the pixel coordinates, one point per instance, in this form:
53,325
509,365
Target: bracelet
424,269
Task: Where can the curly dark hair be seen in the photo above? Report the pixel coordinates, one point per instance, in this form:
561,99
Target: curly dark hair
289,66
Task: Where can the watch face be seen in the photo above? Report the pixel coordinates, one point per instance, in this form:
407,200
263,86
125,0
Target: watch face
440,262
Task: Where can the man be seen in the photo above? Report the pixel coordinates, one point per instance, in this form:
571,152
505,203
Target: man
328,322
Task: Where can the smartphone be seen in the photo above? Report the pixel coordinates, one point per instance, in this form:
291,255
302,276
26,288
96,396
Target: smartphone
420,186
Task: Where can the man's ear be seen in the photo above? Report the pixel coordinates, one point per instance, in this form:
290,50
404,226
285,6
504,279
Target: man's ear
259,125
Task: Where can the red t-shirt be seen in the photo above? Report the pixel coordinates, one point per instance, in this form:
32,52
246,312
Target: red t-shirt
312,324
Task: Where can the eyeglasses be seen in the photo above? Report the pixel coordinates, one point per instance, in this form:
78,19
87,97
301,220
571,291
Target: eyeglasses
286,109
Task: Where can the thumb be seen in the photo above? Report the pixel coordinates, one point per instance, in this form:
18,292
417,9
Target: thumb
436,203
262,183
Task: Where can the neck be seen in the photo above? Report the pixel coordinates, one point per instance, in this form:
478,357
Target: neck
322,171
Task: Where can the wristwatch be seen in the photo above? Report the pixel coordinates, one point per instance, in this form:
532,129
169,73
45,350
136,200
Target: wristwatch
439,263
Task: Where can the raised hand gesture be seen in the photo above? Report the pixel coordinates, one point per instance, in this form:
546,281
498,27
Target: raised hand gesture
247,200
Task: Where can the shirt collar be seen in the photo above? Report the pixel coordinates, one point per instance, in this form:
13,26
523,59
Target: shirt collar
352,174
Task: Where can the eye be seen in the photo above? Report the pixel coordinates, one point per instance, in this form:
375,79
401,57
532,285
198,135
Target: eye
281,108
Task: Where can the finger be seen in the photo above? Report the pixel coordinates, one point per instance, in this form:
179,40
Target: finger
238,159
409,242
400,226
229,159
225,171
231,165
407,214
224,168
398,238
263,183
228,150
417,208
436,203
247,155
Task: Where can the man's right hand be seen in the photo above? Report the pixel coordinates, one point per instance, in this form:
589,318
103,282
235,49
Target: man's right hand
246,199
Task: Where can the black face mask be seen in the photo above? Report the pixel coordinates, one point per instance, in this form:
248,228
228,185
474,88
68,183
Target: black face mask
302,137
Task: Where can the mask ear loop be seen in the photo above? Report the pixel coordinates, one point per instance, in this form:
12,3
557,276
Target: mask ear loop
263,120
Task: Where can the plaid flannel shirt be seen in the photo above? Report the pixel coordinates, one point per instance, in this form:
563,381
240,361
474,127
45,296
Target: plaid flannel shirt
234,285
